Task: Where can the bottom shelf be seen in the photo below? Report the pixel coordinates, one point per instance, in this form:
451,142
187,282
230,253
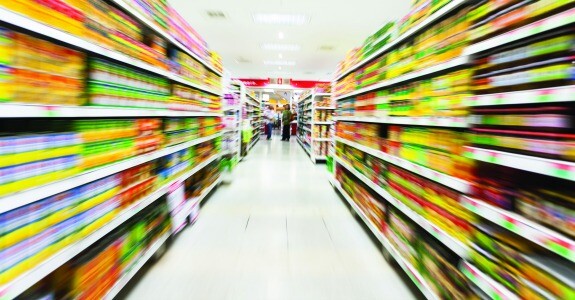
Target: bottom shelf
253,143
485,283
120,284
208,190
409,269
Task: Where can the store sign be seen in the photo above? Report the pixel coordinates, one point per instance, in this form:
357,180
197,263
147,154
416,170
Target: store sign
255,82
286,82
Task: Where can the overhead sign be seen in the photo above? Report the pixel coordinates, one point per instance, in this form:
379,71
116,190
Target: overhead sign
287,82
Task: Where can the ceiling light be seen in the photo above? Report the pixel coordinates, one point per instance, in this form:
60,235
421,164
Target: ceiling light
281,19
216,14
281,47
280,35
280,55
268,90
279,62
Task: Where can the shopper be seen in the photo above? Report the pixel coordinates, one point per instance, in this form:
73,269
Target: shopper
286,119
269,116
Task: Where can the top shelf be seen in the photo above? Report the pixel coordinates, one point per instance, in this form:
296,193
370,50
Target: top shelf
163,33
11,110
253,98
69,39
444,11
550,23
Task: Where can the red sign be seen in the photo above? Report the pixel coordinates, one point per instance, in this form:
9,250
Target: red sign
255,82
301,84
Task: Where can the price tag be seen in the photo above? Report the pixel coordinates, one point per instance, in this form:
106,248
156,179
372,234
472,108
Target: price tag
509,224
51,111
492,158
558,248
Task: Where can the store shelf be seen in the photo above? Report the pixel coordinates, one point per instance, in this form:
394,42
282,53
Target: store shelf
306,129
28,279
549,95
561,19
460,61
455,122
493,289
148,253
321,139
447,180
442,12
407,267
304,146
163,33
253,98
322,123
319,157
230,129
549,167
531,230
253,142
232,108
321,95
34,194
71,40
208,190
450,242
325,108
59,111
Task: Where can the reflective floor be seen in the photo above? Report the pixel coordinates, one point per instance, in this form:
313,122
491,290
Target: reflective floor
278,231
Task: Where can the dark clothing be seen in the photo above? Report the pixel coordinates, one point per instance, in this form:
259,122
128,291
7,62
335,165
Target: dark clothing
285,132
269,129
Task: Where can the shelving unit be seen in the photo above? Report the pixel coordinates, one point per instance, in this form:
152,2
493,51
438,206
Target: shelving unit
308,125
50,253
252,116
377,132
451,242
70,40
407,267
233,120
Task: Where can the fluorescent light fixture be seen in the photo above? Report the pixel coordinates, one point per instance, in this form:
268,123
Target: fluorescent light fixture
280,56
280,35
280,19
281,47
268,90
279,62
280,67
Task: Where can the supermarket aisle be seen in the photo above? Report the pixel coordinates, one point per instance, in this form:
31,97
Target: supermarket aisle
279,231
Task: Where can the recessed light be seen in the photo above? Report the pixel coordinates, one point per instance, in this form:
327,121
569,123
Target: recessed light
279,62
326,48
281,47
280,35
280,19
216,14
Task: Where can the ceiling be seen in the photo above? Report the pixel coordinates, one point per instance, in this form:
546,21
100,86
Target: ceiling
334,25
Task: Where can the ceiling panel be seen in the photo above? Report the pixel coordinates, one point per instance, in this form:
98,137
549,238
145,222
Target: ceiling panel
340,25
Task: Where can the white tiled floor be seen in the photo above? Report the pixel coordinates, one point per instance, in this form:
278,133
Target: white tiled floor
278,231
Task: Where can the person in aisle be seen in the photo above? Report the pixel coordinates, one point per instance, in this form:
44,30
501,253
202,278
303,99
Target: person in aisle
269,115
286,119
278,118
